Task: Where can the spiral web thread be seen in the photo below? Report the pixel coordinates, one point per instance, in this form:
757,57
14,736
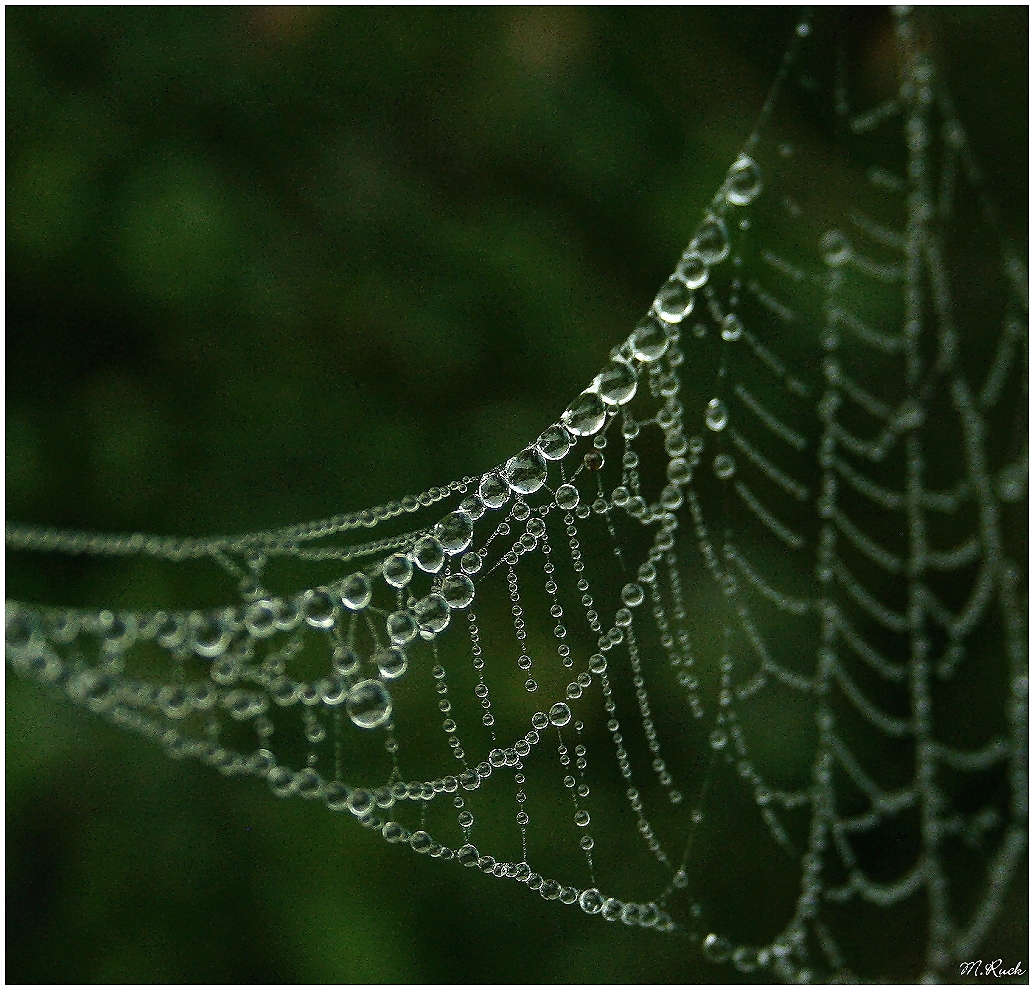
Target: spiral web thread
742,592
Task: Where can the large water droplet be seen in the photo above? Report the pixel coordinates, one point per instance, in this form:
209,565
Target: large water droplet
458,590
591,901
744,181
356,592
428,554
493,491
632,595
333,691
368,704
712,241
346,660
649,340
397,570
581,818
554,442
470,562
402,627
692,270
319,608
454,532
473,507
616,384
560,714
586,415
674,302
716,416
526,473
567,497
391,662
432,613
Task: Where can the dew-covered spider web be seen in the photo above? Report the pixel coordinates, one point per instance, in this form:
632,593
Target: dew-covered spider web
749,616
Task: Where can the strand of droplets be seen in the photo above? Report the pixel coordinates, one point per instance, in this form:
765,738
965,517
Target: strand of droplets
368,702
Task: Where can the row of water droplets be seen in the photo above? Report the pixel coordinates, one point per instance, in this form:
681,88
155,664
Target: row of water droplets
527,472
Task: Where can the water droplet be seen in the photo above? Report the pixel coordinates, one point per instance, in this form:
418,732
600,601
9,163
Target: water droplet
835,248
473,507
333,691
649,340
803,29
454,532
692,270
679,470
732,327
421,842
356,591
716,416
581,818
432,613
616,384
467,855
744,181
550,890
591,900
368,705
567,497
390,661
718,739
712,241
674,302
465,818
586,415
594,460
724,466
402,627
458,590
346,660
319,608
531,685
397,570
632,595
560,714
428,554
554,442
525,473
493,491
470,562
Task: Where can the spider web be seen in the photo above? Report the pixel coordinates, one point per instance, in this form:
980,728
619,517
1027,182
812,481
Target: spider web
757,587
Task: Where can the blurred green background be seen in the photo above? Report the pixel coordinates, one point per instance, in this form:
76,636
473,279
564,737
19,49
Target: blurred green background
268,264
